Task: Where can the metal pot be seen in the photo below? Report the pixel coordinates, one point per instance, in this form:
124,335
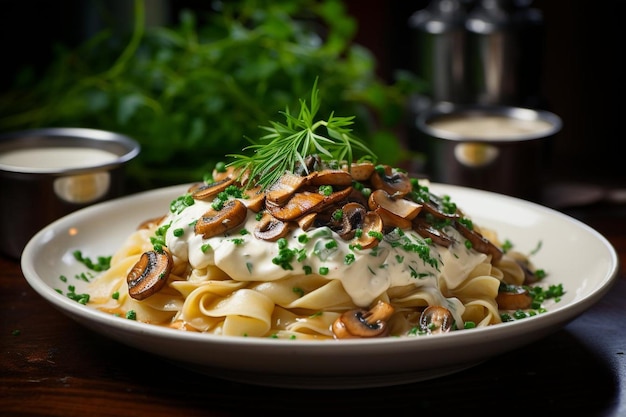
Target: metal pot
495,148
48,173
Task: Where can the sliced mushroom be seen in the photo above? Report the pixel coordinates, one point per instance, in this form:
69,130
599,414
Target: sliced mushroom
305,202
360,171
297,206
353,217
436,319
392,221
271,229
426,230
401,207
334,177
207,191
283,189
397,184
307,221
363,323
215,222
513,297
479,242
372,228
435,210
255,197
229,172
149,274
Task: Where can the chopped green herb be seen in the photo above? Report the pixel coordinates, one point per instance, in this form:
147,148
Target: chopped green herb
102,263
326,190
181,203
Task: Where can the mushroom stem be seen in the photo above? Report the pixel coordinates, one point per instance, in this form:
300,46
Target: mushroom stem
380,312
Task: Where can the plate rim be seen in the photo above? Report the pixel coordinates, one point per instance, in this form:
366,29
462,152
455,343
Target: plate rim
549,322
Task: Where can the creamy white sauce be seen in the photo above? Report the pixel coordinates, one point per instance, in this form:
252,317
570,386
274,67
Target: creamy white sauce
490,126
245,258
55,158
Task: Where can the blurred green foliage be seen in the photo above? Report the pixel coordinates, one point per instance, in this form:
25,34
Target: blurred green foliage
191,93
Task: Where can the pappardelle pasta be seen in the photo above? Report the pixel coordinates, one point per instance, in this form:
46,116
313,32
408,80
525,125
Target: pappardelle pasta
300,260
300,242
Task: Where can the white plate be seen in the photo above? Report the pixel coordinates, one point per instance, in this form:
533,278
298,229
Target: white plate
572,253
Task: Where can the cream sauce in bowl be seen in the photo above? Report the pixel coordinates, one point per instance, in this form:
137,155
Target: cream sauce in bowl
54,158
490,126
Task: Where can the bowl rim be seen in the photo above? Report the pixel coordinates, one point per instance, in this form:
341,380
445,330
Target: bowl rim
515,112
122,145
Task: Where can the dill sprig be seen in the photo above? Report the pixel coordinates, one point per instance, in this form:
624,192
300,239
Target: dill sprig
288,144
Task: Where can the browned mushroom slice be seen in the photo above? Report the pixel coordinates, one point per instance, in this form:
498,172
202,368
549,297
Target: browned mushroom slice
425,230
436,319
255,197
297,206
479,242
305,202
397,184
208,191
229,172
215,222
513,297
283,189
335,177
392,221
399,206
306,222
360,171
370,232
149,274
352,218
337,197
360,323
271,229
431,208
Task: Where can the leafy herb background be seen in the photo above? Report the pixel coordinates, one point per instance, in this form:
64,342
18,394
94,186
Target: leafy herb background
199,89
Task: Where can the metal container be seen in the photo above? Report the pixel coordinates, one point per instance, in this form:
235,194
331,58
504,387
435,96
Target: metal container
48,173
504,52
439,39
496,148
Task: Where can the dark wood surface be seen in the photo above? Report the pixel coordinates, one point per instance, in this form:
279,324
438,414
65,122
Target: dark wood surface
52,366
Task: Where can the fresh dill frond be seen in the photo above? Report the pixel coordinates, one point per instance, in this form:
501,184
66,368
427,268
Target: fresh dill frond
288,144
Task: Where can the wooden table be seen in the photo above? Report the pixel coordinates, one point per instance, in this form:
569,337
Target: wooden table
55,367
